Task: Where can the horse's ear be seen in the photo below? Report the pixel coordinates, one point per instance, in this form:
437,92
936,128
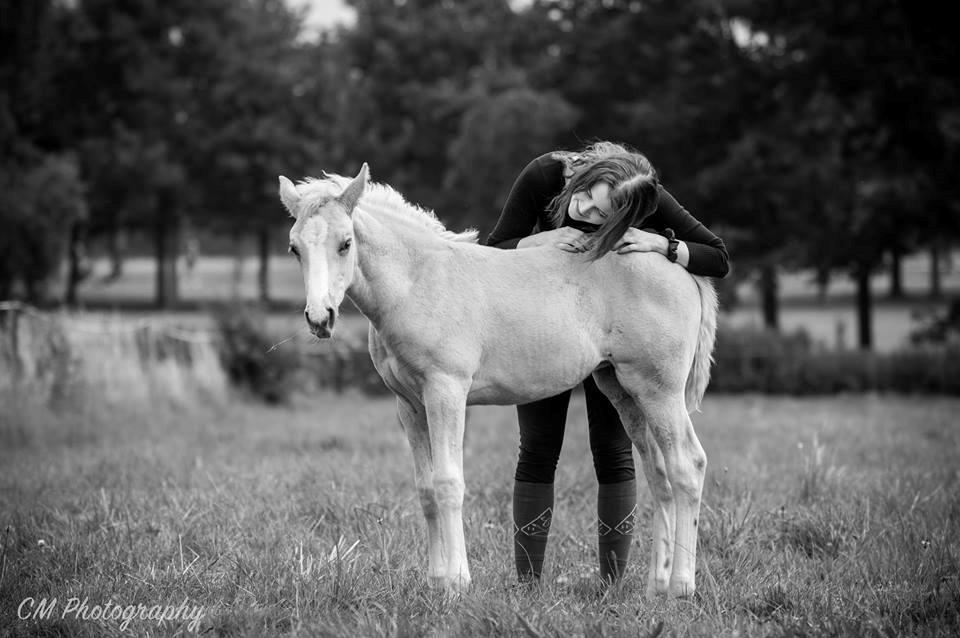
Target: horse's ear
289,195
351,194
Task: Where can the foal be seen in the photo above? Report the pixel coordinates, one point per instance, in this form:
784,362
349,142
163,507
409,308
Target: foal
453,323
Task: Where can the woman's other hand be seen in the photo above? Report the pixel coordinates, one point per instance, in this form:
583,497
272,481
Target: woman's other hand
564,238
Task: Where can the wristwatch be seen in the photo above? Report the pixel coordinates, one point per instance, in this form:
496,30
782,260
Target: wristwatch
672,244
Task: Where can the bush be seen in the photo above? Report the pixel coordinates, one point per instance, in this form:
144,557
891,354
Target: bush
939,326
752,360
247,353
345,363
745,360
757,360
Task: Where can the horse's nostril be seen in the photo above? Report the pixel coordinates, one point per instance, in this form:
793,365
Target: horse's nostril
331,317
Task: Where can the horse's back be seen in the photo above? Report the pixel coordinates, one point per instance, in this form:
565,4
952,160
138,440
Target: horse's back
603,291
550,317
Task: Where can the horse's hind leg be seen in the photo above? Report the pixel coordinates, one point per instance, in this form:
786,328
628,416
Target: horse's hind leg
664,519
445,402
661,546
685,464
413,419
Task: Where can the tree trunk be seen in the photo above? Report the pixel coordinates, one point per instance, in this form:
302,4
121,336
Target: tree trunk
263,275
6,286
116,247
896,274
823,283
166,238
769,299
75,266
864,307
936,287
236,278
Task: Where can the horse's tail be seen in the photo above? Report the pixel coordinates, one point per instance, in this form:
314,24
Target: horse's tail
699,375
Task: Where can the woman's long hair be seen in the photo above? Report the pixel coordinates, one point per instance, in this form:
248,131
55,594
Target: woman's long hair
634,189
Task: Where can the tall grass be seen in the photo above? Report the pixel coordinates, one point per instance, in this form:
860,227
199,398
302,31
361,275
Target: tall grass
74,368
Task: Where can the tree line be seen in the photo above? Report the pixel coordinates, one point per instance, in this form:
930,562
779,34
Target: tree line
814,135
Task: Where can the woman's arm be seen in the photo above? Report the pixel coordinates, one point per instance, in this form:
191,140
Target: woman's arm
699,251
529,197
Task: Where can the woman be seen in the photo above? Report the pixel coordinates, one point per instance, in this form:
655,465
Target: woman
597,199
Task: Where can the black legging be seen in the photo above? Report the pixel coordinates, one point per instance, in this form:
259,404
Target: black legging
542,425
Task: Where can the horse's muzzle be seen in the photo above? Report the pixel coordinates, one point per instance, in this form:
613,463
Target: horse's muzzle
322,329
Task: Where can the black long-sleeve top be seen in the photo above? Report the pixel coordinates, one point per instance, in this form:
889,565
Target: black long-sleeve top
527,209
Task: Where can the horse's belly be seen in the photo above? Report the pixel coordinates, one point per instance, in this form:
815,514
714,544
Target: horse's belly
524,373
497,393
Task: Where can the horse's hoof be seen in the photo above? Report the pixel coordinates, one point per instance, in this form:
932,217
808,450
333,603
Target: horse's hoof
657,588
458,585
450,585
681,590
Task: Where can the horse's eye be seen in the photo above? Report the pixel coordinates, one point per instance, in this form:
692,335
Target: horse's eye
345,246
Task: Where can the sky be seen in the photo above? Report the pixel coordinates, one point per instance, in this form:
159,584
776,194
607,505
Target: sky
323,14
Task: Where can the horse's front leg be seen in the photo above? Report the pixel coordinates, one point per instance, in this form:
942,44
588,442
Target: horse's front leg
413,419
445,402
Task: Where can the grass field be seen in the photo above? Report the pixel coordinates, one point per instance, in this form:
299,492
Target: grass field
834,516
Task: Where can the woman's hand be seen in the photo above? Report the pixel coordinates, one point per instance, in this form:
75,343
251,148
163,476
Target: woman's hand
641,241
564,238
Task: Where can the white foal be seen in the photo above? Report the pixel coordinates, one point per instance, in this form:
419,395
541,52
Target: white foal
454,323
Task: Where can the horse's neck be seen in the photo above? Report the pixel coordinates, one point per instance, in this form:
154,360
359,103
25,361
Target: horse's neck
391,254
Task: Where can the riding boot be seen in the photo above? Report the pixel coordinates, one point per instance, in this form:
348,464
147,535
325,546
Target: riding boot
532,514
616,520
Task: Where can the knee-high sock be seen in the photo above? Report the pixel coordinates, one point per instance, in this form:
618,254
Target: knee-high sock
532,514
616,520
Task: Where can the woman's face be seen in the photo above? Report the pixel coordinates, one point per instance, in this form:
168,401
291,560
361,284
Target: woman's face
592,206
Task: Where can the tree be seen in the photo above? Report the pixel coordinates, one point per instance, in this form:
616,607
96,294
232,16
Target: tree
41,192
180,112
499,134
873,81
416,65
40,206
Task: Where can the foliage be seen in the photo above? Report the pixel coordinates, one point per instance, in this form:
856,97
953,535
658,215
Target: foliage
174,109
751,360
40,203
746,360
941,326
418,68
808,134
248,355
864,95
498,135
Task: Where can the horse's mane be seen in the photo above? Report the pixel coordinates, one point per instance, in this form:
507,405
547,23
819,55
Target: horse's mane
382,199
